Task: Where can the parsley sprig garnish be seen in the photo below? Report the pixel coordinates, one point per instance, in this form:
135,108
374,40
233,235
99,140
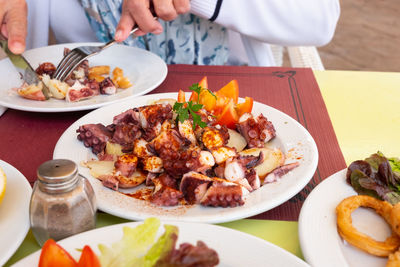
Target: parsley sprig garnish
191,108
197,88
187,108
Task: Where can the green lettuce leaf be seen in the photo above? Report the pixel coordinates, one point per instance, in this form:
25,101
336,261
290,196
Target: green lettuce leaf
375,160
163,247
133,245
395,164
392,197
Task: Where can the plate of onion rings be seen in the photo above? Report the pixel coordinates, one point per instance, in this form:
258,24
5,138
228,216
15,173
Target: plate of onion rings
333,207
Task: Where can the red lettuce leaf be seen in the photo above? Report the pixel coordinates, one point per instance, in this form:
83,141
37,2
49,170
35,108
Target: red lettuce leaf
374,177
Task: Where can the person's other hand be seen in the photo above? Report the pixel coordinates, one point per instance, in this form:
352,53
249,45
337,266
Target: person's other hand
13,17
138,12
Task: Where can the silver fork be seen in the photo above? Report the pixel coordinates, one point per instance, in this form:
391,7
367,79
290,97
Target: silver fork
77,55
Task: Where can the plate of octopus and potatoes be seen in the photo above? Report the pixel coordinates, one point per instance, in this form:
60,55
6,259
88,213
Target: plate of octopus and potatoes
161,156
101,80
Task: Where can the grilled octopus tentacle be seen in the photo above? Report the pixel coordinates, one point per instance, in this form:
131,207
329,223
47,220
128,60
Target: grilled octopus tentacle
257,131
94,136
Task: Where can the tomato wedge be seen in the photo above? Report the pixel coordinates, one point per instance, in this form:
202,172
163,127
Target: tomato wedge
229,116
54,255
181,96
245,107
204,84
88,258
208,100
231,90
220,104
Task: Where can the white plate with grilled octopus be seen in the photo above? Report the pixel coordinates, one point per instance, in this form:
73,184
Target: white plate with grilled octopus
173,171
143,69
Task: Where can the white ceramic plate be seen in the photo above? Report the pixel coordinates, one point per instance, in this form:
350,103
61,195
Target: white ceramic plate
14,212
292,138
145,70
319,239
234,248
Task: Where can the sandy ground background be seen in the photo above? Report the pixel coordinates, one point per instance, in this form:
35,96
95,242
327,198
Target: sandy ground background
367,37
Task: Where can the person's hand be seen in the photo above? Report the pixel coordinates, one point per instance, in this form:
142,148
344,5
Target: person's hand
138,12
13,17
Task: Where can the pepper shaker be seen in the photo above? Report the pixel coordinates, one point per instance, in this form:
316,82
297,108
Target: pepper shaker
62,202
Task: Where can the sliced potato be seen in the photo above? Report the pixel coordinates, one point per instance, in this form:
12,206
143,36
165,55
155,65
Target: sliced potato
99,70
33,91
274,158
170,101
114,149
30,89
236,140
118,72
96,77
122,82
99,167
57,88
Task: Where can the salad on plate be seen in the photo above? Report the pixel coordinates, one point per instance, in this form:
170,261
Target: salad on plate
376,179
139,246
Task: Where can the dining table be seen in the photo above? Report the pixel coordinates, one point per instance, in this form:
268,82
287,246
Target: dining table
350,115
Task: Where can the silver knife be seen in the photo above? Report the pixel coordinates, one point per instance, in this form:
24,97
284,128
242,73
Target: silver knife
26,71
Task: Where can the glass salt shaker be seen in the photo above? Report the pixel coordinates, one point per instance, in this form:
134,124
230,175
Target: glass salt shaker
62,202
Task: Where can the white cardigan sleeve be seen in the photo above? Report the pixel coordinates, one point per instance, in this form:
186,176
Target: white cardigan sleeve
282,22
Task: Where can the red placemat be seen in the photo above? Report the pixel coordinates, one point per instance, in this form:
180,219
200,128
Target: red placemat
27,139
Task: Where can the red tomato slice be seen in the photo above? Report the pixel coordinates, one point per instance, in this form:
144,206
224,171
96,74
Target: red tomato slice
54,255
220,104
204,84
193,97
88,258
229,116
231,90
181,96
244,107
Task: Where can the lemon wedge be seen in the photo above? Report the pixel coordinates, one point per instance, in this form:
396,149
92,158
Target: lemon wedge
3,182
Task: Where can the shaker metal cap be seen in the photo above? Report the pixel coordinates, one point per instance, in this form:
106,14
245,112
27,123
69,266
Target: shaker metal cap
57,171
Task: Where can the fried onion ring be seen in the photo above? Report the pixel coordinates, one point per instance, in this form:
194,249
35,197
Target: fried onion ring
393,260
362,241
395,219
